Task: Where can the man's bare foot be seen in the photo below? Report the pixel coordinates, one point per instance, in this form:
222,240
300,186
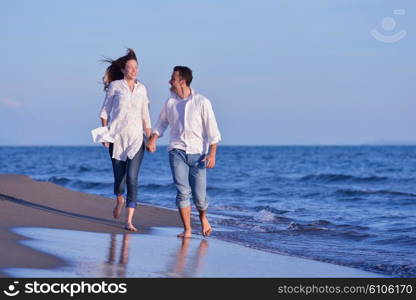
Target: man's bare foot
185,234
130,227
118,208
206,227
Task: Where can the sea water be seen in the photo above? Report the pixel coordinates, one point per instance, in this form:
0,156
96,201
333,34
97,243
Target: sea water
349,205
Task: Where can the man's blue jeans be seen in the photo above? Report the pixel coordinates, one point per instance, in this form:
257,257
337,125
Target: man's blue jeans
127,172
190,177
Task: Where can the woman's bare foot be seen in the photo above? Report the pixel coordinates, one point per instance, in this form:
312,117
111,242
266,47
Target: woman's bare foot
185,234
206,227
130,227
118,208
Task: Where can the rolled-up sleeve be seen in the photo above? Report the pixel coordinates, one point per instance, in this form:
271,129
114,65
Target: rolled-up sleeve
212,132
162,122
108,102
146,112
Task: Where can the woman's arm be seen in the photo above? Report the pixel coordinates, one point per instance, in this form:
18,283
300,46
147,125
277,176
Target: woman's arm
147,130
106,109
146,117
107,105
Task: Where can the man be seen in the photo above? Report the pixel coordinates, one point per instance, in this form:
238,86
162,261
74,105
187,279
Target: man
192,148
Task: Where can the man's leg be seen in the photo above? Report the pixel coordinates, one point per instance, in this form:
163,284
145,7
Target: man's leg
185,214
180,174
198,182
206,227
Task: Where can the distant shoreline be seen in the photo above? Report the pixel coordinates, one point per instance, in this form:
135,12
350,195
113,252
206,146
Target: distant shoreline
259,145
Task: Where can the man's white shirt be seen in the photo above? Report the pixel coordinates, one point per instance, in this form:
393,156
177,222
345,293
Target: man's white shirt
193,127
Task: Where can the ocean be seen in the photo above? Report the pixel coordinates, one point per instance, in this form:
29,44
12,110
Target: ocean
350,205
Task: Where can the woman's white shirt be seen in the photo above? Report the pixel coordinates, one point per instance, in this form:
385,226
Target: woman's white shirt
126,113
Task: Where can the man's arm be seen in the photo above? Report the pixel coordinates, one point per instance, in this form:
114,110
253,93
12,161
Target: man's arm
212,132
161,125
210,158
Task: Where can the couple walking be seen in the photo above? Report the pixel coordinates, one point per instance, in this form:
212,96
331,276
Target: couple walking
193,138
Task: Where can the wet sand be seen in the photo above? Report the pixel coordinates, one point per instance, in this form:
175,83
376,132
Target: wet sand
50,231
25,202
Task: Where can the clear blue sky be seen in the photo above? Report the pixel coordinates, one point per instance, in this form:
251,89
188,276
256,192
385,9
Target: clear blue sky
277,72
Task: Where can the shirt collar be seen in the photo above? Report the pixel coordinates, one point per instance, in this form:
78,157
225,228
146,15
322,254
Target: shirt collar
136,82
176,96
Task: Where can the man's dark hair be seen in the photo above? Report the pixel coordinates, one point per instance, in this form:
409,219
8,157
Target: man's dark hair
185,73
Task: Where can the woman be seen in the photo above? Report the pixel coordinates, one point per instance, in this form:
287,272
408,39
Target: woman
125,118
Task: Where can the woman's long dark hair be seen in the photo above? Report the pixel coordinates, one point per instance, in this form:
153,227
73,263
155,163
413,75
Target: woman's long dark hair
113,71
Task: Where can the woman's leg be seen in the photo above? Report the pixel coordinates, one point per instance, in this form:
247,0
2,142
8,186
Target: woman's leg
133,168
119,172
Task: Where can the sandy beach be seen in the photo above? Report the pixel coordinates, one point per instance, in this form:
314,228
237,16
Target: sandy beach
50,231
24,202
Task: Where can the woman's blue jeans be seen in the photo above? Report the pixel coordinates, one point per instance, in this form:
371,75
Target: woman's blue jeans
126,173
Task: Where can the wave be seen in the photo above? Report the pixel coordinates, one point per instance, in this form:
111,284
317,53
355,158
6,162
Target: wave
59,180
269,215
357,193
328,178
269,225
83,169
405,240
227,208
264,216
270,209
158,187
404,270
266,221
326,228
304,228
80,184
85,184
235,192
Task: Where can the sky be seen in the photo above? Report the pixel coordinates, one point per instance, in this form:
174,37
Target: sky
282,72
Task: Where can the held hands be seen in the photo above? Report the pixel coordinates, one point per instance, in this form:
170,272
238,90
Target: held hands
105,144
210,160
151,146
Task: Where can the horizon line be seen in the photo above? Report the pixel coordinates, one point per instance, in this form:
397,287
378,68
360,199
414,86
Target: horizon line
232,145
